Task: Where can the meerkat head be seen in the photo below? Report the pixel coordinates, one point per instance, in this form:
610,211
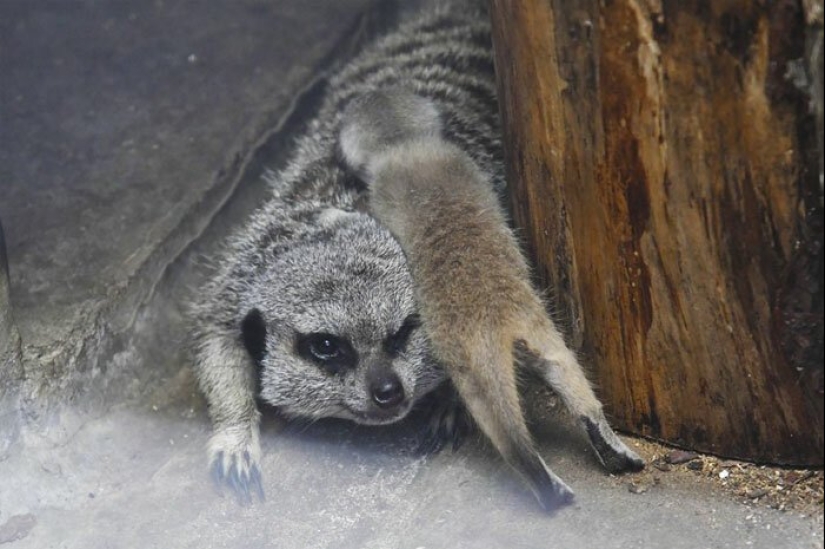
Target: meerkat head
334,328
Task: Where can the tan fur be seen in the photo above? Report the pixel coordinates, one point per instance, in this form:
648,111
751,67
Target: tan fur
472,282
475,297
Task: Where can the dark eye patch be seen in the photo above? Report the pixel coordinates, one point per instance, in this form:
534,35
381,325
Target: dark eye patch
333,353
397,342
253,334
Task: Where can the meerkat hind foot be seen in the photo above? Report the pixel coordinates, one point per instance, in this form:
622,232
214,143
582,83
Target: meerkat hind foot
551,491
611,451
562,372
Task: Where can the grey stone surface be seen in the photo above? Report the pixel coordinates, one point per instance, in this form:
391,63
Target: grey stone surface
116,117
133,135
11,366
122,123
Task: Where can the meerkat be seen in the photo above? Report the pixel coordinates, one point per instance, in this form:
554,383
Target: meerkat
314,315
476,302
312,307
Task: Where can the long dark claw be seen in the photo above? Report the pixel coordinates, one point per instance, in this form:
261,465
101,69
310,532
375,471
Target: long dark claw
256,483
217,472
242,476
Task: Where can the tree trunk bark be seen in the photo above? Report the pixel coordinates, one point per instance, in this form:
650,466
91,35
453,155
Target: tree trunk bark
664,167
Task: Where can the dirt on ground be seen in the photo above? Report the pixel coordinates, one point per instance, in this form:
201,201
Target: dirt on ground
784,489
800,491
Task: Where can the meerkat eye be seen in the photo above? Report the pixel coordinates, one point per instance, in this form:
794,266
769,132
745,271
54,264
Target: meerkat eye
397,342
324,347
332,352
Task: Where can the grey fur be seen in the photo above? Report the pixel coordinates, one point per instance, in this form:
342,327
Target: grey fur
309,262
473,286
307,268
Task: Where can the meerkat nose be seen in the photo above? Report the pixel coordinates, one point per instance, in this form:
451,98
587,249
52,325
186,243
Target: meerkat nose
387,391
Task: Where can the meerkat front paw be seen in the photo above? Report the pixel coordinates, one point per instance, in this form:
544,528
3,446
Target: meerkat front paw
611,451
234,456
448,422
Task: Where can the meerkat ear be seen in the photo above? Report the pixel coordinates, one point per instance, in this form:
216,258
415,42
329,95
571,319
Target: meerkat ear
378,121
253,334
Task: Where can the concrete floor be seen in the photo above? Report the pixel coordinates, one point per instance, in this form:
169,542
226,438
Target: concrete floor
133,136
136,478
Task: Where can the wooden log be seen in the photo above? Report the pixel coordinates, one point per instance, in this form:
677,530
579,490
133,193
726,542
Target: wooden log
664,172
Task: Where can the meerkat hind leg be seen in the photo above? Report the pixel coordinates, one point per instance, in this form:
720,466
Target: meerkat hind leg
558,366
508,433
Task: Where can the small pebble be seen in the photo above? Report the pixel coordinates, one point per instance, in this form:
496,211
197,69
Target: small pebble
662,466
758,493
695,466
724,473
637,488
791,478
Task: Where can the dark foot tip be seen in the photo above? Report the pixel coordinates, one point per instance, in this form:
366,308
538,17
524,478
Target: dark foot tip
216,470
556,499
614,454
618,463
634,465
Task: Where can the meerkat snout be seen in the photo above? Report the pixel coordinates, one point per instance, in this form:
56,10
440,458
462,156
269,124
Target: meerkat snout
386,391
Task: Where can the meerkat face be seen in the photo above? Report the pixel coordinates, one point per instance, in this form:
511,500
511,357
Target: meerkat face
334,326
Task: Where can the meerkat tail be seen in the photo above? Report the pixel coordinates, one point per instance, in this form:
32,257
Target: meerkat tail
486,381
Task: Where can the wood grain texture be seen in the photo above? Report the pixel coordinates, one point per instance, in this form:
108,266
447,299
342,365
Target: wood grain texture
665,175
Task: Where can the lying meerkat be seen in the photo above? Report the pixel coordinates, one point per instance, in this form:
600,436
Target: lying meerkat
312,306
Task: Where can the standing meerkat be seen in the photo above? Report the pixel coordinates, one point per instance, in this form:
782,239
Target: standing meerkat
476,301
312,307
